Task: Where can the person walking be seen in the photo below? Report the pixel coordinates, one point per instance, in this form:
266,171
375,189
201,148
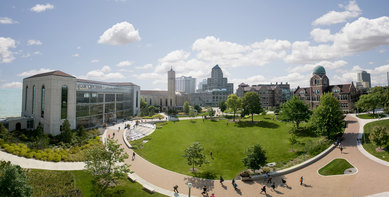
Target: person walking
204,190
283,182
133,156
341,150
221,180
175,189
301,180
233,182
113,135
263,189
269,179
273,186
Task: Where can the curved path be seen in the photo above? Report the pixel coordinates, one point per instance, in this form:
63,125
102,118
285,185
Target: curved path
370,179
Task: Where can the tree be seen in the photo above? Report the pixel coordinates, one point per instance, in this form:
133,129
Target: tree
144,108
328,116
66,132
3,132
197,108
222,106
13,181
186,107
292,141
251,104
105,163
368,102
234,103
295,110
255,157
191,113
151,110
210,112
81,131
379,136
194,155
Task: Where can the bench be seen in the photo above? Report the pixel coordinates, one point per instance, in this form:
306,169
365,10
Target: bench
148,188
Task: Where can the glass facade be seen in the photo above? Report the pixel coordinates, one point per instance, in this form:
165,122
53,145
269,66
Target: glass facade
102,103
33,100
25,99
43,102
64,102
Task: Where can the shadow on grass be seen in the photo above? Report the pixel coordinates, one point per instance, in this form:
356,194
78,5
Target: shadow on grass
264,124
205,175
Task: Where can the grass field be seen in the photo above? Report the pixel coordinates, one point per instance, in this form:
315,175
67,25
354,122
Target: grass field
370,116
61,183
335,167
370,147
228,144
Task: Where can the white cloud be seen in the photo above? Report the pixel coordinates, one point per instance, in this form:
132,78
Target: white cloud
119,34
6,56
41,7
381,51
361,35
322,35
147,66
37,53
377,75
12,85
95,61
76,55
78,47
124,63
371,63
6,20
327,65
352,10
33,42
26,55
34,72
103,74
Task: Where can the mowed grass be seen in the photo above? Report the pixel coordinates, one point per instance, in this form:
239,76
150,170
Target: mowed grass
370,116
335,167
228,144
370,147
62,183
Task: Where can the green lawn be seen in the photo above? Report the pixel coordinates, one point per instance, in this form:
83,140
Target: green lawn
370,116
335,167
370,147
228,144
55,183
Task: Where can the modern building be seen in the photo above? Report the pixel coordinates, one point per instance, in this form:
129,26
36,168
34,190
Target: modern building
363,79
52,97
347,94
272,95
186,84
214,91
200,85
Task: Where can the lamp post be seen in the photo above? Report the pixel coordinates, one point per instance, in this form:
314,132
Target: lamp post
189,186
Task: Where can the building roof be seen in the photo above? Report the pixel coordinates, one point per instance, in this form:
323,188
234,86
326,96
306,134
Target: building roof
107,83
319,70
216,67
344,88
153,92
56,73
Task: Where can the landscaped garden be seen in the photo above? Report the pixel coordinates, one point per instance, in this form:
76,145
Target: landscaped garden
380,148
335,167
228,142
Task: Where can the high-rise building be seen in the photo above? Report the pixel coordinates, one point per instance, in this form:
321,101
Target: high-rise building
200,86
171,87
217,81
186,84
364,79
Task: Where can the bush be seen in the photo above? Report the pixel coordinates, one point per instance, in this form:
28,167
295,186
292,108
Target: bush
245,173
316,147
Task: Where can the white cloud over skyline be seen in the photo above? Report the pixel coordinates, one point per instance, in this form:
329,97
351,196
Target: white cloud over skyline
14,84
352,10
33,42
42,7
34,72
103,74
124,63
7,20
120,34
6,44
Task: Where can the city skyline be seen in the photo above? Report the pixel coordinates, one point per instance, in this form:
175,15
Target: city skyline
253,42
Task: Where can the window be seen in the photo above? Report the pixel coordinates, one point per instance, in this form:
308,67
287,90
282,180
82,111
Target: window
43,102
64,102
33,100
25,99
136,99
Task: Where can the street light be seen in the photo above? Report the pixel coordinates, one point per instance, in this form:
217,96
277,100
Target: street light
189,186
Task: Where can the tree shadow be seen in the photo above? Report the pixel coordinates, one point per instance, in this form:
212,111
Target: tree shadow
263,123
199,182
205,175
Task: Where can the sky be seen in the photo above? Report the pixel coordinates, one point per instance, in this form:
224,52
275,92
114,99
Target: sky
253,41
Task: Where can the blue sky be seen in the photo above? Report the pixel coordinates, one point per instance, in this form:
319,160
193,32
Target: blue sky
138,41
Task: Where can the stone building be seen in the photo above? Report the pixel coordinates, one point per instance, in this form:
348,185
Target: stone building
347,94
52,97
272,95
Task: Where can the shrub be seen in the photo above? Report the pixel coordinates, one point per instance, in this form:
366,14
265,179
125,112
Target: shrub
315,147
265,170
30,155
245,173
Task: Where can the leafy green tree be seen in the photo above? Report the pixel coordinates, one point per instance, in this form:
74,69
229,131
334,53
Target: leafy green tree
222,106
251,104
186,107
151,110
210,112
106,164
368,102
3,132
255,157
379,136
194,155
13,182
328,116
197,108
191,113
295,110
292,141
234,103
144,108
66,132
81,131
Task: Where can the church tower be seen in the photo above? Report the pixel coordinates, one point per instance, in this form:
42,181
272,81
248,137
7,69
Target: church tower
171,87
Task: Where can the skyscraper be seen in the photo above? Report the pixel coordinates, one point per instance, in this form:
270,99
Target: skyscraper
364,78
171,75
186,84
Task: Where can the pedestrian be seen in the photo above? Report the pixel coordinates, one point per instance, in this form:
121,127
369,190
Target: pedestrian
133,156
204,190
233,181
235,186
175,189
341,149
269,179
113,135
263,189
213,195
273,186
301,180
221,180
283,181
211,155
